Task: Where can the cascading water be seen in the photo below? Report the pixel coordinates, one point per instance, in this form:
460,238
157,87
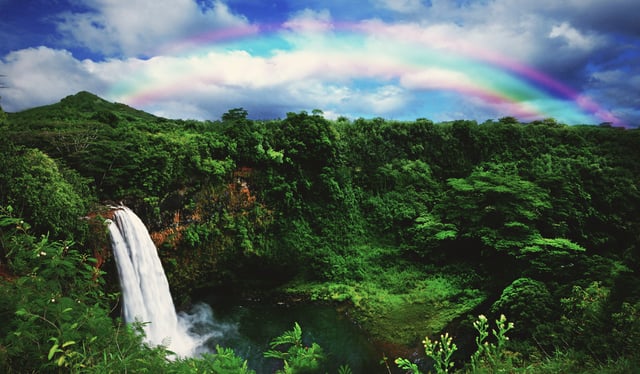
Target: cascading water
147,299
145,290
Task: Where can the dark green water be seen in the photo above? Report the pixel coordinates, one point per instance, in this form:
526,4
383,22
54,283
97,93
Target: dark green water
248,327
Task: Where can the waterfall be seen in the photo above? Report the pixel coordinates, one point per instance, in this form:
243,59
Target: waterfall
145,289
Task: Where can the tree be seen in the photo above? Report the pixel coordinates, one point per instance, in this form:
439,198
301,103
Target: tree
499,209
36,187
244,137
235,114
3,116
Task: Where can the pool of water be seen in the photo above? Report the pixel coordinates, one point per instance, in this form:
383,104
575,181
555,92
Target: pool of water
249,326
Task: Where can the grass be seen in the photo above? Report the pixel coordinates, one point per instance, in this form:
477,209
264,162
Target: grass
395,300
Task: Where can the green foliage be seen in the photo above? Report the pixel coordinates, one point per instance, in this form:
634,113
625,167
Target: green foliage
57,319
626,329
224,361
585,320
56,307
3,116
407,190
369,206
430,234
440,352
407,365
527,301
36,187
399,303
297,357
492,357
499,210
489,357
544,256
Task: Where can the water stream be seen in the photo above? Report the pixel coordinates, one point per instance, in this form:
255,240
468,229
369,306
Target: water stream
245,326
145,290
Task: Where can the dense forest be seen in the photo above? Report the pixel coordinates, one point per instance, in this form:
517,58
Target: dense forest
417,228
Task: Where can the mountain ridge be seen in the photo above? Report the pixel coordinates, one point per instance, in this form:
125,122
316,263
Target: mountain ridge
86,106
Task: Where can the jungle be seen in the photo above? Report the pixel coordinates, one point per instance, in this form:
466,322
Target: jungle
484,247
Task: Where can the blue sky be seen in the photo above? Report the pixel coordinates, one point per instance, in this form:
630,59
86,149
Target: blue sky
577,61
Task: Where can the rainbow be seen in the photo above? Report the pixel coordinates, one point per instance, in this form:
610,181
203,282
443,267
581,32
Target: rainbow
259,56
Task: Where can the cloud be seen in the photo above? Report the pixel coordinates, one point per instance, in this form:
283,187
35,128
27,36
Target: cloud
436,78
385,68
309,20
38,76
293,80
138,27
614,16
614,87
574,38
402,6
583,35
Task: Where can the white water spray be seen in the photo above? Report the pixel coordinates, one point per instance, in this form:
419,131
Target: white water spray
145,290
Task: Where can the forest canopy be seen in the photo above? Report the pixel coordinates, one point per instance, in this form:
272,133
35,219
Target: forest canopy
538,221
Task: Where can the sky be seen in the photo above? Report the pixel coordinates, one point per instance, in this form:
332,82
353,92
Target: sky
577,61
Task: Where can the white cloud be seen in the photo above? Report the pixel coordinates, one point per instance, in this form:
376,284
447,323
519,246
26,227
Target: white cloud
309,20
436,78
384,100
521,29
38,76
574,38
140,27
321,68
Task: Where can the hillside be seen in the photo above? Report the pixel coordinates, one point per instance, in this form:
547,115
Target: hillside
415,227
83,106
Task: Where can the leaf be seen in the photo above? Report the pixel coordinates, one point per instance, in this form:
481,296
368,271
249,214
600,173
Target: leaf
446,234
407,365
66,344
274,354
21,312
297,330
8,221
288,337
52,351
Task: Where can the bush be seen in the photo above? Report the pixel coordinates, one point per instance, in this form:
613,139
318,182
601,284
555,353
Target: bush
38,188
528,302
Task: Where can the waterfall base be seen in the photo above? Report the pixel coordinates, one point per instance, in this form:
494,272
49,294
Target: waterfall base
145,290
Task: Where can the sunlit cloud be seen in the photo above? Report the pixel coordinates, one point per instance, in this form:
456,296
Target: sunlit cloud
135,27
42,75
439,59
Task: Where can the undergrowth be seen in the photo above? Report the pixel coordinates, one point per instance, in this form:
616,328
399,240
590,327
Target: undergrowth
396,300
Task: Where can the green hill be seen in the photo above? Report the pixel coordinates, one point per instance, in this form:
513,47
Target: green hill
83,107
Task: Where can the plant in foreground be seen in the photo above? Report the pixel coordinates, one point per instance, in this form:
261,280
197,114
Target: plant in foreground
440,351
298,357
488,355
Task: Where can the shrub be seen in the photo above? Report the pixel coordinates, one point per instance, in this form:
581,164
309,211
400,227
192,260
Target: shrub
527,301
